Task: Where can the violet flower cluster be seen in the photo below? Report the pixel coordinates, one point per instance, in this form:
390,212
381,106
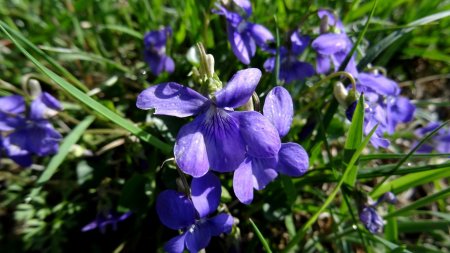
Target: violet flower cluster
369,216
27,132
440,142
155,51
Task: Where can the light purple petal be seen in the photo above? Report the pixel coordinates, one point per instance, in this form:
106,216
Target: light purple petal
379,84
169,65
205,194
279,109
190,150
222,223
260,135
269,64
242,45
330,43
171,99
243,182
176,244
44,103
263,170
198,237
175,210
239,89
245,5
92,225
260,34
14,104
332,19
292,160
299,43
224,144
323,64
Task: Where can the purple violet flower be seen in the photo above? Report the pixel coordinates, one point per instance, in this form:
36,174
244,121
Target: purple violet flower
29,135
190,215
439,142
292,159
219,137
244,36
333,45
291,68
103,220
371,219
155,51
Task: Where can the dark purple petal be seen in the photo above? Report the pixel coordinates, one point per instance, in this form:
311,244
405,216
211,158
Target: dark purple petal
260,135
330,43
224,144
198,237
243,182
190,150
245,5
332,19
156,40
298,43
10,122
175,210
402,109
263,170
380,84
260,34
279,109
371,220
294,70
156,62
205,194
269,64
14,104
426,129
176,244
222,223
41,138
239,89
171,99
292,160
242,45
125,216
16,151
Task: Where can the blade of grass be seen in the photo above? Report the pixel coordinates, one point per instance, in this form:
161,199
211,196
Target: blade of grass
398,156
260,237
90,102
63,151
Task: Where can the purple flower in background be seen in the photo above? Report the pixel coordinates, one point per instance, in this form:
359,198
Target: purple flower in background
244,36
219,137
371,219
333,45
31,134
103,220
155,51
190,215
291,68
379,84
439,142
292,159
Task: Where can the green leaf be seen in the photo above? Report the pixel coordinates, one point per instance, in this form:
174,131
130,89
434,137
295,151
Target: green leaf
376,50
90,102
133,193
260,236
63,151
354,139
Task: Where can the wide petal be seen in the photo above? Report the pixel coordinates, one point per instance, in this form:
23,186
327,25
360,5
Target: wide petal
41,138
16,151
243,182
260,34
279,109
175,210
171,99
245,5
198,237
43,106
242,45
169,65
224,144
260,135
239,89
263,170
221,223
14,104
205,194
296,71
380,84
176,244
330,43
292,160
190,148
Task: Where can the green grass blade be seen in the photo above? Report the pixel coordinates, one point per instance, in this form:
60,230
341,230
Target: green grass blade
122,29
90,102
63,151
419,203
376,50
260,237
302,231
370,157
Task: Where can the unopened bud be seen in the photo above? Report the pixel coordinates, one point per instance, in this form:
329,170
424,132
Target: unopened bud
341,94
34,88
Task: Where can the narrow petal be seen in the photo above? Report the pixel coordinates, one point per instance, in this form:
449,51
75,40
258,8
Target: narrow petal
206,193
260,34
224,144
245,5
222,223
299,43
330,43
243,182
90,226
171,99
169,65
263,170
292,160
175,210
269,64
176,244
239,89
279,109
260,135
190,150
198,237
242,45
323,64
14,104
